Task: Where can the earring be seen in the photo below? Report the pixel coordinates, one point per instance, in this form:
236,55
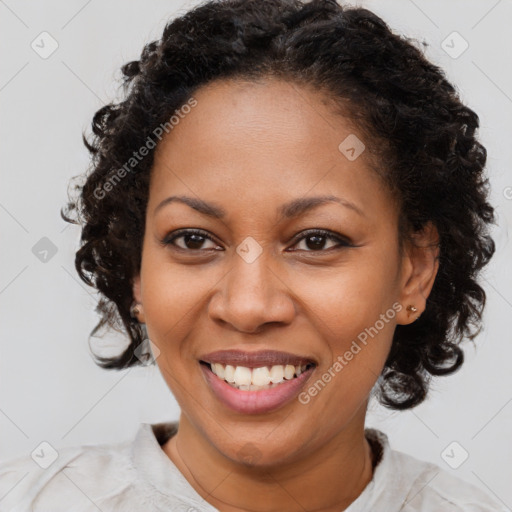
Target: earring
413,309
134,311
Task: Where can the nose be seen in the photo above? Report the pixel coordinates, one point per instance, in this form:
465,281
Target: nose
252,295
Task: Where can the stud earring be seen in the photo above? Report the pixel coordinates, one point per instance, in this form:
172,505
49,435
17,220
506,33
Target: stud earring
413,309
134,311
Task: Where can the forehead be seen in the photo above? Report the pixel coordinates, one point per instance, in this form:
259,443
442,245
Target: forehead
263,142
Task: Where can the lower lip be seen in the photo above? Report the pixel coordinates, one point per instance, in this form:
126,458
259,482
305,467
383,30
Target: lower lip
255,402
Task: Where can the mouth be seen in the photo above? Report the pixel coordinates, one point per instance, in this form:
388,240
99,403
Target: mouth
256,379
256,382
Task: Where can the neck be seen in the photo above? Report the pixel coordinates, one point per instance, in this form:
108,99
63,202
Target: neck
338,471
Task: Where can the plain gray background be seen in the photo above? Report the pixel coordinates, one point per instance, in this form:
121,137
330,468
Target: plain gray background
51,390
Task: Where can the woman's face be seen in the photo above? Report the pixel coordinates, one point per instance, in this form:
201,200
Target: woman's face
256,156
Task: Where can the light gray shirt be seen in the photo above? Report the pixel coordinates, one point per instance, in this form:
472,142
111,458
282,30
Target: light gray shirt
137,475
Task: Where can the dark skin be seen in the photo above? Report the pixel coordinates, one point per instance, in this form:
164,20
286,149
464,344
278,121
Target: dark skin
249,148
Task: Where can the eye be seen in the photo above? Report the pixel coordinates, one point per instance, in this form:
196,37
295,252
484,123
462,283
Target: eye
315,240
193,239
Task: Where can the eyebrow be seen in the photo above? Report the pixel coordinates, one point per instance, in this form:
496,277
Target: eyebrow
289,210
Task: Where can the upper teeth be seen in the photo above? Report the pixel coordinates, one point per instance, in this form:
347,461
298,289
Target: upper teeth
244,377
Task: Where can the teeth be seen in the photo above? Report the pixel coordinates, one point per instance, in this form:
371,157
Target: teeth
219,370
253,379
289,372
254,387
229,373
260,376
243,376
276,374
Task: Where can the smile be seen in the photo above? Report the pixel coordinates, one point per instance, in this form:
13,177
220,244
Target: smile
255,383
254,379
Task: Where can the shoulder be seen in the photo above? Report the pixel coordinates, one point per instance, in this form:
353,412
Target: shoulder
413,485
435,488
51,479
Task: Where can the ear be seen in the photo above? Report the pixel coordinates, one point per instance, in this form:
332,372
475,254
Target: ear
419,269
137,296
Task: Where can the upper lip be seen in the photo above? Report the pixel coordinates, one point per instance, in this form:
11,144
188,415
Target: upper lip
255,359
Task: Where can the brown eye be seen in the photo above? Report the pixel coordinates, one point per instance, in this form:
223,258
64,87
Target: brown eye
315,240
193,240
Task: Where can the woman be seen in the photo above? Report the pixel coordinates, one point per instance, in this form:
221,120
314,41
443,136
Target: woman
290,204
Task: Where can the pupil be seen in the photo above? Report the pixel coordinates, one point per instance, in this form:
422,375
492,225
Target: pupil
316,245
196,241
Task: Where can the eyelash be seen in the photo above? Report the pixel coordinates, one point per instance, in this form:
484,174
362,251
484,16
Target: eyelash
342,242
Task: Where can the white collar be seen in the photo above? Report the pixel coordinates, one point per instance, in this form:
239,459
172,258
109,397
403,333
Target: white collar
158,470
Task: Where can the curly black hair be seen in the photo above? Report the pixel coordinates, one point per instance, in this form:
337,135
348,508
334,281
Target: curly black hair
421,138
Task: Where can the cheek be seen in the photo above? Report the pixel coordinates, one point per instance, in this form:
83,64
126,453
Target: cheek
173,296
344,302
353,315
